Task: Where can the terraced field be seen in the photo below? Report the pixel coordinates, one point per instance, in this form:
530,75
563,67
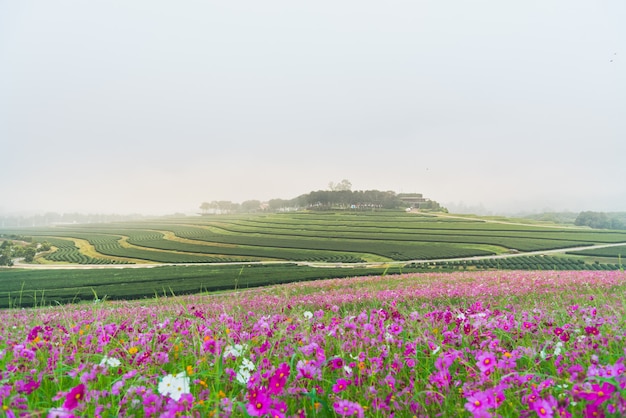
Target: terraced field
324,237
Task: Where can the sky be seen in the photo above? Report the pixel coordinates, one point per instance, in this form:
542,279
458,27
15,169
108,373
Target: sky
157,106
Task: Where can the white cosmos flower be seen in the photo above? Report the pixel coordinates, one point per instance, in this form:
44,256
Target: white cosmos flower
174,386
557,349
247,364
308,314
236,350
110,362
246,367
243,376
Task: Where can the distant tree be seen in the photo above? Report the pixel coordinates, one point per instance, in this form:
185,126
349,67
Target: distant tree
6,253
29,254
205,206
226,206
343,185
278,204
598,220
250,206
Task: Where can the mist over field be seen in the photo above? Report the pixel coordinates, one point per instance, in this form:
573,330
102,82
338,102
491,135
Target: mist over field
155,107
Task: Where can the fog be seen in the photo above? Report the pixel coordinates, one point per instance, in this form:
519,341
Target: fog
154,107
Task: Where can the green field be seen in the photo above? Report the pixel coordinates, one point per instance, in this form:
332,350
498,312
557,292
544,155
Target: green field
21,287
406,242
314,237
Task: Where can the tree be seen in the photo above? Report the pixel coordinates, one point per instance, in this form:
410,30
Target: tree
6,254
343,185
205,206
251,206
29,254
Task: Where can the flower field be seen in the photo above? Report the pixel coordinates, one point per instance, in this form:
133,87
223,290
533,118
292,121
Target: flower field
494,343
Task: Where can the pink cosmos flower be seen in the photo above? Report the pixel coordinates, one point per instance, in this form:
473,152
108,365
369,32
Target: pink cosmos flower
477,403
486,362
278,409
390,381
76,394
60,413
335,363
278,380
307,371
27,387
346,408
341,385
599,393
593,411
395,328
543,408
259,404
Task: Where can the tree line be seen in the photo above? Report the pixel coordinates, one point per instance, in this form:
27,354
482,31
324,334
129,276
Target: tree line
601,220
336,199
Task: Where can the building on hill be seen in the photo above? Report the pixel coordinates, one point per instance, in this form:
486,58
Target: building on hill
414,200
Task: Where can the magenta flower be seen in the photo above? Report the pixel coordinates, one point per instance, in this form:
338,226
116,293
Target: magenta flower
278,380
76,394
529,325
478,403
341,385
395,328
308,371
486,362
27,387
543,408
599,393
593,411
335,363
390,381
278,410
259,403
346,408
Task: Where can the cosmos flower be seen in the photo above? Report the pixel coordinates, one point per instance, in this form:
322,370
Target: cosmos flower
278,380
174,386
110,362
74,396
346,408
478,403
599,393
235,351
258,402
543,408
486,362
340,385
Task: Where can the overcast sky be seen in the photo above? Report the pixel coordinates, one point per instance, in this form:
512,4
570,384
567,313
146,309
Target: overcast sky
157,106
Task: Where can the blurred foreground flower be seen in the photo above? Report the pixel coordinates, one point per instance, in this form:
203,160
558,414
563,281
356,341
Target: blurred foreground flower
174,386
76,394
110,362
